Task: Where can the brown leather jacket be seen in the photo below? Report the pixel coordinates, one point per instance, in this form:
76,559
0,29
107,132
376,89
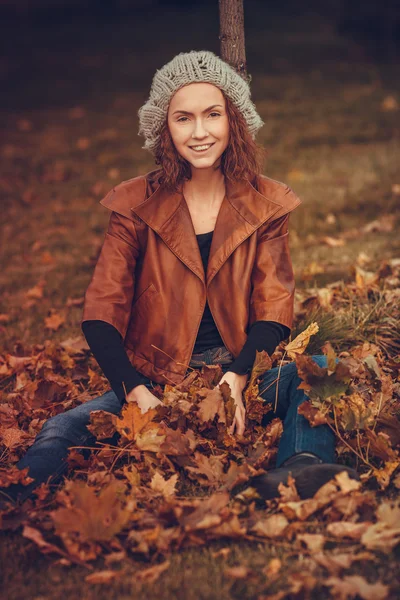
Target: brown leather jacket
149,280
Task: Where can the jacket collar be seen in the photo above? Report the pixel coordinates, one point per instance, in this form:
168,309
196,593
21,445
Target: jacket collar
242,211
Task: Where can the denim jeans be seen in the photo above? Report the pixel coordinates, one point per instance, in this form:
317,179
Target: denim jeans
46,457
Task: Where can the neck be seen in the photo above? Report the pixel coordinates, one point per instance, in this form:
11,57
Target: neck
205,189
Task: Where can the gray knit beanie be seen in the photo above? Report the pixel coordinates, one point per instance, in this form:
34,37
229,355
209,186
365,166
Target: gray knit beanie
191,67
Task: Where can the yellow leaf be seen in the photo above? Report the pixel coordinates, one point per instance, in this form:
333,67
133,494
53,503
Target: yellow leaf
300,343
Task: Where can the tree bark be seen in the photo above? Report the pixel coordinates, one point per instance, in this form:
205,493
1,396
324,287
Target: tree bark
231,35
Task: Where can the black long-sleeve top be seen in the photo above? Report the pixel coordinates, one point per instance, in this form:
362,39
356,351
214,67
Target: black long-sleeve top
107,345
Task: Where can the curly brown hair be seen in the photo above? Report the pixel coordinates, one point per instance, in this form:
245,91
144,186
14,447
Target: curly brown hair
242,159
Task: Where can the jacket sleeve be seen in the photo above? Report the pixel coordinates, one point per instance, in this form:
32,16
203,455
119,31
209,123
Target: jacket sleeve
272,278
110,292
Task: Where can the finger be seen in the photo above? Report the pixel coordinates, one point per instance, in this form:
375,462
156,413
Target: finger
232,427
240,425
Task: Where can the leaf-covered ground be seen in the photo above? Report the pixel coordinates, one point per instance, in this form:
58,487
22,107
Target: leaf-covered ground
151,510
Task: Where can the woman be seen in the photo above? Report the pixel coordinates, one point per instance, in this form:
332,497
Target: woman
195,268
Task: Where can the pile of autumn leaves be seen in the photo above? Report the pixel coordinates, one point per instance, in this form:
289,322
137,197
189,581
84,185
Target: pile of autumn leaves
174,476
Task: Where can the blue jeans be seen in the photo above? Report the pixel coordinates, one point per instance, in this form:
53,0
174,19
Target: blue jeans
46,457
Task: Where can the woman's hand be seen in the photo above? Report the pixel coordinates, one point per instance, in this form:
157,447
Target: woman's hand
145,399
237,383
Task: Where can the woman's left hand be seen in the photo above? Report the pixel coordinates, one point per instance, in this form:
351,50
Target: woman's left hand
237,383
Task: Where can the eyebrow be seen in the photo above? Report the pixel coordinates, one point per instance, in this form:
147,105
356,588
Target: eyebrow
185,112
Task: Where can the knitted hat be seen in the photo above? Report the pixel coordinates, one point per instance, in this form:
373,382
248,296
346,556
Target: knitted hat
191,67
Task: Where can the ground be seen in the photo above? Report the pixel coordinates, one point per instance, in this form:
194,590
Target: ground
69,125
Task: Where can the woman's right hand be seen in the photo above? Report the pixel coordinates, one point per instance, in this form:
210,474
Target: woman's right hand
145,399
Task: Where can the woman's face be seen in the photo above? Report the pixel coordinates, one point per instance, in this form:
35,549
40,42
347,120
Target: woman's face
197,117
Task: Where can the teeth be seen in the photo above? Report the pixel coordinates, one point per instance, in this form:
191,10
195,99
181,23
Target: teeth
201,147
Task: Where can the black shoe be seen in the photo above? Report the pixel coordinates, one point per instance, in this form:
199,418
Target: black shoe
308,470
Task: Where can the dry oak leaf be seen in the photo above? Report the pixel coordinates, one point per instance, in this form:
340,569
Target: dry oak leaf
262,363
165,487
232,528
342,529
212,468
150,440
300,343
314,416
101,424
304,508
288,493
314,541
131,474
151,574
54,321
212,404
106,576
93,517
272,569
272,527
332,242
365,278
11,437
385,534
206,514
350,586
384,474
335,563
133,421
36,536
177,443
13,475
238,572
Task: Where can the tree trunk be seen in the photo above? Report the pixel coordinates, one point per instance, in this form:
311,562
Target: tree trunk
231,35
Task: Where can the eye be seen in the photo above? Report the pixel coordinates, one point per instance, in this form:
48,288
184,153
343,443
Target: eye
215,113
180,119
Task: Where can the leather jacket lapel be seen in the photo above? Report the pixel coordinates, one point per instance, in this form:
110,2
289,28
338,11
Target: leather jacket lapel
242,211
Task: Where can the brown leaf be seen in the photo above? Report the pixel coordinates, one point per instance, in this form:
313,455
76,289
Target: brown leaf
231,528
262,363
101,424
335,563
342,529
385,534
207,514
300,343
314,541
177,443
54,321
94,517
352,585
150,440
14,475
133,421
209,467
314,416
271,571
35,535
12,437
151,574
237,572
272,527
165,487
107,576
211,405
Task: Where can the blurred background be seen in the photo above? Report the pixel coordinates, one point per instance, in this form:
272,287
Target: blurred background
73,73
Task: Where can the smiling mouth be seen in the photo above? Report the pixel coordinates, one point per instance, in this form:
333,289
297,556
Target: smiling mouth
201,148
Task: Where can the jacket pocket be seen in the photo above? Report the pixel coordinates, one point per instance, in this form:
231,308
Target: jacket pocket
143,315
147,291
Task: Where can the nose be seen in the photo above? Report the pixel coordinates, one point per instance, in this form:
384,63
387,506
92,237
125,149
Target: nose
199,131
